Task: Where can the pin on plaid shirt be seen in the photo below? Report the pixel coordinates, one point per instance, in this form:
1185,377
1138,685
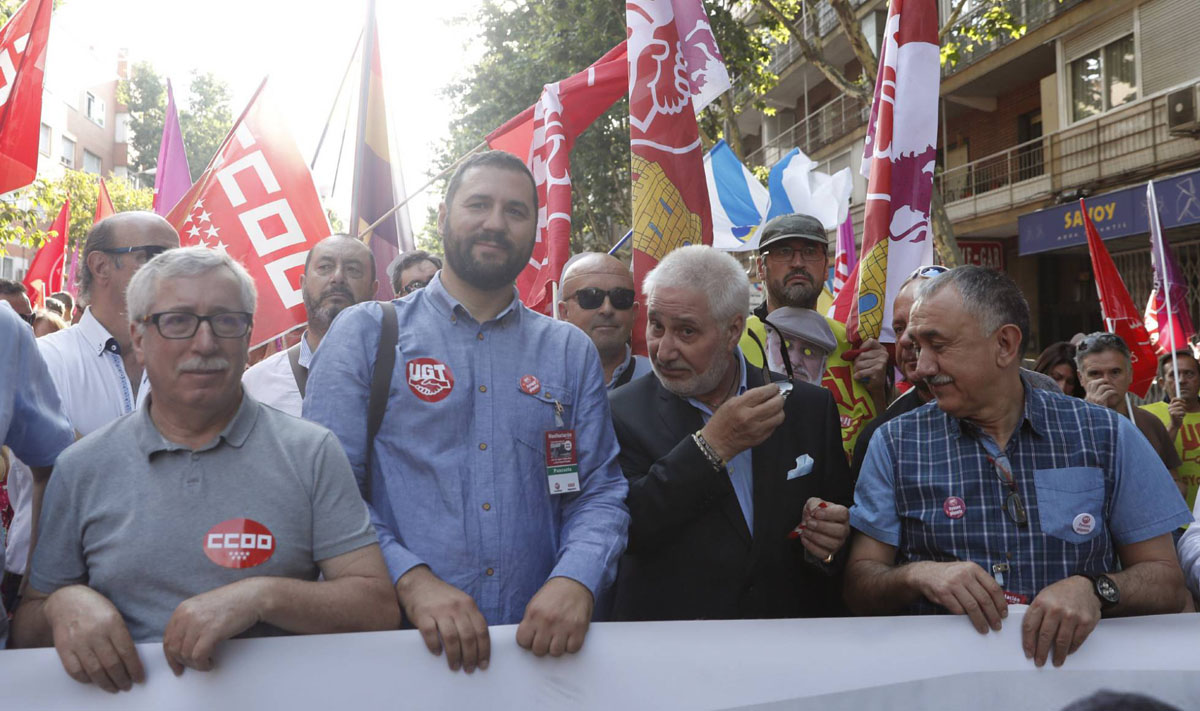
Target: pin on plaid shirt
1089,481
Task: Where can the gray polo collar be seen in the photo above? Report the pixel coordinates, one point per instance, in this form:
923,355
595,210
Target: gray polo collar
150,441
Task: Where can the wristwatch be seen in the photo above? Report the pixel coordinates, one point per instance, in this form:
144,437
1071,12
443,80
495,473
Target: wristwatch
1105,589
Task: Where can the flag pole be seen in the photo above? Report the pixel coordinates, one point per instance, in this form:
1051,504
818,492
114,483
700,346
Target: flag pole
368,56
333,107
1156,235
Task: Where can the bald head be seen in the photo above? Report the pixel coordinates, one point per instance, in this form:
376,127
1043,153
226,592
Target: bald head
588,263
339,272
115,248
589,281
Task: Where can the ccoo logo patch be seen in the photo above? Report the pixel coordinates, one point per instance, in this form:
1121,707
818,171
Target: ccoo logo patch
429,379
239,543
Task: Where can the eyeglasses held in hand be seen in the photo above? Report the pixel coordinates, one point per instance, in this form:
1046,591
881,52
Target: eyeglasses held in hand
591,297
179,325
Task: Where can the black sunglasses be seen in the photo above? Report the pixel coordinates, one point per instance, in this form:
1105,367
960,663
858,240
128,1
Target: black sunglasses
149,250
1013,505
591,297
414,285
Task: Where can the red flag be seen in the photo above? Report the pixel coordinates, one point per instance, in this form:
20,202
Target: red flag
22,67
45,275
257,201
1120,315
670,190
104,206
543,135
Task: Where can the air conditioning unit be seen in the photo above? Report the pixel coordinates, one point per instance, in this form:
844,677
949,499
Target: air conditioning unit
1182,117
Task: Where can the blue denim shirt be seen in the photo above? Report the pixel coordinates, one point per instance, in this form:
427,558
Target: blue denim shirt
458,469
741,467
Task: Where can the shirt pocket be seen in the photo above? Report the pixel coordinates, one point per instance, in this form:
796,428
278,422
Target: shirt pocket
1070,502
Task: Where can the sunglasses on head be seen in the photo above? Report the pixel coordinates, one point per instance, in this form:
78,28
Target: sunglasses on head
928,272
591,297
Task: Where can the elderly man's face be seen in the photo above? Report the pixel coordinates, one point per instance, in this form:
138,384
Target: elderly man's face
203,372
796,281
338,276
955,358
906,355
1110,367
607,326
146,239
1186,373
689,350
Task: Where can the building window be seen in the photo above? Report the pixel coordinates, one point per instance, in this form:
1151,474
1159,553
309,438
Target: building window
44,140
6,267
67,156
94,108
91,162
1103,79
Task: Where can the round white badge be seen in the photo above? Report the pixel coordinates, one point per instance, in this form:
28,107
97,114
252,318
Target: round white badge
1084,523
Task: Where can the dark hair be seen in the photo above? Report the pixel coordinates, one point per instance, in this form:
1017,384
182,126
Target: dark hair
308,257
988,295
1099,342
54,306
409,259
65,299
1105,700
490,159
1057,354
8,286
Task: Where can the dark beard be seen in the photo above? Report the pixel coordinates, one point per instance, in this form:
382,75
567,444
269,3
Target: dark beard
486,277
801,296
319,318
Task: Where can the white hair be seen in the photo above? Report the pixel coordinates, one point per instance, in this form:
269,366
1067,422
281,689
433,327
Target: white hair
701,268
182,263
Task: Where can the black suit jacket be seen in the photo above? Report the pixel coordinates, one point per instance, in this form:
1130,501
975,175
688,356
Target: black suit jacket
691,554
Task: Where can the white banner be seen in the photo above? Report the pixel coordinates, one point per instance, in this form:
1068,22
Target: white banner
857,663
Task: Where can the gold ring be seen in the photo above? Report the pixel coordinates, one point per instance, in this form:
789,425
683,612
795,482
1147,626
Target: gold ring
829,559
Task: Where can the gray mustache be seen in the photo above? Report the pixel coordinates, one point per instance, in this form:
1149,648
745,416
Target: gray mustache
213,363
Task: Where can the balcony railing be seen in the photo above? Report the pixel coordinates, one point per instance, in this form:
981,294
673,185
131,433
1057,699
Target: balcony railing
1095,152
820,128
1031,13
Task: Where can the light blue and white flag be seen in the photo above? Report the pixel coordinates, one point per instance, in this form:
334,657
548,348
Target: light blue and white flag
795,187
737,199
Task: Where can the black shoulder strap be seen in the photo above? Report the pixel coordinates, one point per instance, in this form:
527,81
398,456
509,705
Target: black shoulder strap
299,372
625,375
381,380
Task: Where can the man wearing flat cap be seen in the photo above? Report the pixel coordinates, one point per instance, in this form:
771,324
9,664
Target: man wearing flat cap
793,259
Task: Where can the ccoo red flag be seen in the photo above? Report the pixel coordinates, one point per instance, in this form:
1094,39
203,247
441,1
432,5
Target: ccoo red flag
1120,315
45,275
256,200
22,68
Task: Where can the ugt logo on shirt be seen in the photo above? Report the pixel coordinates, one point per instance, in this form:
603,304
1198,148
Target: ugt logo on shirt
429,379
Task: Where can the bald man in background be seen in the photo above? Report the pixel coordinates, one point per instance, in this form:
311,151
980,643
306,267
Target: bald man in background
598,297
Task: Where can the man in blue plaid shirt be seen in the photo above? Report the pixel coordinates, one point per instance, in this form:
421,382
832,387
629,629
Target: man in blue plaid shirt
998,493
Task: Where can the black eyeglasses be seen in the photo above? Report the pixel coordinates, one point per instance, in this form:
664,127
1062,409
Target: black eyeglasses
413,286
179,325
809,252
927,272
591,297
1013,505
148,251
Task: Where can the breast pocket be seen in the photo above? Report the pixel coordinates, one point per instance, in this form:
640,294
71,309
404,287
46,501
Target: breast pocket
1070,502
533,416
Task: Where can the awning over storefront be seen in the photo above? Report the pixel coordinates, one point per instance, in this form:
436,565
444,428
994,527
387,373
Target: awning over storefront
1117,214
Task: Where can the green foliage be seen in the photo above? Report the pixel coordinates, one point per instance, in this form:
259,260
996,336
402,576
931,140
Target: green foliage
26,216
204,121
8,8
994,22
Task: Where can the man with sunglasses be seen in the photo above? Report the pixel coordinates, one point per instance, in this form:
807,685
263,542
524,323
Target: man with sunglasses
597,296
339,272
248,521
1000,493
413,270
793,260
93,364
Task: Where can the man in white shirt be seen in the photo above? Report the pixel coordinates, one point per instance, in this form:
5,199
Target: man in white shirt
92,364
338,273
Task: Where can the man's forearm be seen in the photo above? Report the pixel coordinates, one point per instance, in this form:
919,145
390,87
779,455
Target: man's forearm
874,588
348,604
1150,588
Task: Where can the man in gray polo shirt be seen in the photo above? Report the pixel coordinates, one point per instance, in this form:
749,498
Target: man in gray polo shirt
237,507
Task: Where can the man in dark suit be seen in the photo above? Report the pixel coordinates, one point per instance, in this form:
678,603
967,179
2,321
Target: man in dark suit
737,493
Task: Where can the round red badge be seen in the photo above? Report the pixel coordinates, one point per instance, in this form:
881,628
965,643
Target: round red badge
954,507
239,543
530,385
429,379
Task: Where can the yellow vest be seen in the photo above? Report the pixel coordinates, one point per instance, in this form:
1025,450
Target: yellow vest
854,403
1187,446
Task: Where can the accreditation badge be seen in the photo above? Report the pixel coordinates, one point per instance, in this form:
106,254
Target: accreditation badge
562,462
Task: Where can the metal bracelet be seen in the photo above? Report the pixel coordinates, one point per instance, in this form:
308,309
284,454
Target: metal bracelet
709,453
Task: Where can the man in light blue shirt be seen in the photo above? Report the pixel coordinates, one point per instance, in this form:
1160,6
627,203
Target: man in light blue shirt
491,407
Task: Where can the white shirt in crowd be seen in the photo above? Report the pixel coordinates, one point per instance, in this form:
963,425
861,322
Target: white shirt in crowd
20,494
271,381
85,364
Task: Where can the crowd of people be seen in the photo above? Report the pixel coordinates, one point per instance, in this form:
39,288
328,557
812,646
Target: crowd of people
451,460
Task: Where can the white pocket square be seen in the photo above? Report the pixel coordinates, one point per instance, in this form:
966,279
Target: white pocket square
804,465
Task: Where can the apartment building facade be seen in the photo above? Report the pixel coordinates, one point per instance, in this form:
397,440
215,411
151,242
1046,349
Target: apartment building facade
1095,99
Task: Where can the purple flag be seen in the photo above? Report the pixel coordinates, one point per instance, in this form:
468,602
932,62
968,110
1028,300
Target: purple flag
1167,319
173,178
845,258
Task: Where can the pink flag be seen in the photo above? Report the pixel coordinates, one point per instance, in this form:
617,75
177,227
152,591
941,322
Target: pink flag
173,178
846,259
898,160
1167,318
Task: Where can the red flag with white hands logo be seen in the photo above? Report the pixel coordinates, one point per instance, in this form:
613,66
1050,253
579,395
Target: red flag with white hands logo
1120,315
256,201
675,69
543,136
45,275
22,68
